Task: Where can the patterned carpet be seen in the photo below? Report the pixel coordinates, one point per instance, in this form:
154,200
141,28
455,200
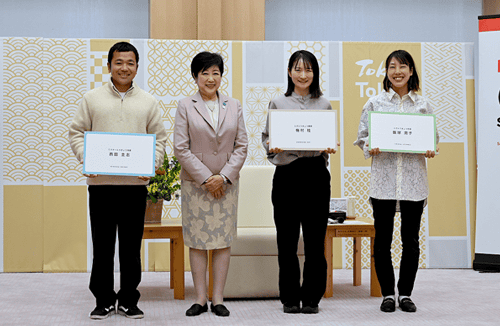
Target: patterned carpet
443,297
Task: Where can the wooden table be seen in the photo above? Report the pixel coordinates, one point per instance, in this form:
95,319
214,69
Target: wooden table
171,229
356,231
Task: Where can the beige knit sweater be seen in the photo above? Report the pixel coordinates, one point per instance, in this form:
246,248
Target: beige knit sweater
103,109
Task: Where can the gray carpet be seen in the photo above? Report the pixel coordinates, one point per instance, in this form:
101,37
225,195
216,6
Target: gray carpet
443,297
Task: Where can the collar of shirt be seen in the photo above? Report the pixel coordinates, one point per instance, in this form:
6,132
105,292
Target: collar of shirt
301,98
411,94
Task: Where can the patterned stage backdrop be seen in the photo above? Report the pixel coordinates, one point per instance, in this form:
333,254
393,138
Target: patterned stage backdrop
44,216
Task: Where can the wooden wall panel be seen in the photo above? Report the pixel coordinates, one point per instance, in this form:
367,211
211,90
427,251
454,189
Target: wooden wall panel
209,14
173,19
207,19
243,20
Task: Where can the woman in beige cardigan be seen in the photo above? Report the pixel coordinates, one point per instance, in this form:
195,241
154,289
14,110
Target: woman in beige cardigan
210,142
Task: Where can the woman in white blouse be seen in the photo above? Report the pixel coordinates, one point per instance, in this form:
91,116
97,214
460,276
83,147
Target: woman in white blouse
398,182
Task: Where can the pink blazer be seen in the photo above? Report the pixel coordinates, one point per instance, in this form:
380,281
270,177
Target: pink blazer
202,152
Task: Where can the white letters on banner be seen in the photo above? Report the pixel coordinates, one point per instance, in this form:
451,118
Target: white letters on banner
369,91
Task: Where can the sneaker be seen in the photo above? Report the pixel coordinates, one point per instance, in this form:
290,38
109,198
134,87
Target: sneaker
102,312
131,312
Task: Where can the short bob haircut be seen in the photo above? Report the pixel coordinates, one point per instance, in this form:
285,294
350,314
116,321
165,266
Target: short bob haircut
123,47
204,60
404,58
309,61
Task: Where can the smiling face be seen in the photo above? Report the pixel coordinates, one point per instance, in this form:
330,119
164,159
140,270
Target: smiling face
399,74
208,82
302,76
123,68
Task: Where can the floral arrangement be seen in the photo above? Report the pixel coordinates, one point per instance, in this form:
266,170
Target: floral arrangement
165,184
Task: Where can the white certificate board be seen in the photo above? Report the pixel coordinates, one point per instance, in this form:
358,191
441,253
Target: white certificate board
119,154
303,129
402,132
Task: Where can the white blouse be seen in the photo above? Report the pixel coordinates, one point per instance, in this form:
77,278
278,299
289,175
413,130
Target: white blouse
213,110
400,176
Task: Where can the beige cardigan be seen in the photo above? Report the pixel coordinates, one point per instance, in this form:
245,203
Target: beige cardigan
102,109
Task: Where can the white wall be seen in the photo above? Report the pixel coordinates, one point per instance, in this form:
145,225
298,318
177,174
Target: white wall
373,20
75,18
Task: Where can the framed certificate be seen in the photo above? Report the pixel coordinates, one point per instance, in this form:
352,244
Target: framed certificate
402,132
303,129
119,154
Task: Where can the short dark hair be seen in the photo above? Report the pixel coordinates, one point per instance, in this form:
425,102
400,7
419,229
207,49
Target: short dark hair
204,60
123,47
404,58
309,60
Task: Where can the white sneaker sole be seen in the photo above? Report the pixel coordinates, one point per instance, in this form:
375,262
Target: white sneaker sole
101,317
123,313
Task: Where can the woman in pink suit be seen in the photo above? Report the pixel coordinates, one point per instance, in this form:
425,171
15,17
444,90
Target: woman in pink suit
210,142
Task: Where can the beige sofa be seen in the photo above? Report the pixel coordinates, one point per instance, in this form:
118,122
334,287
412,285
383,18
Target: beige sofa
253,271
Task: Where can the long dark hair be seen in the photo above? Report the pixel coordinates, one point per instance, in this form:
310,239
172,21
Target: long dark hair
309,60
404,58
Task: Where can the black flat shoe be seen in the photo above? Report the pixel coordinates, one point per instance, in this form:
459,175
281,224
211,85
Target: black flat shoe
196,309
388,305
219,309
291,309
407,305
309,309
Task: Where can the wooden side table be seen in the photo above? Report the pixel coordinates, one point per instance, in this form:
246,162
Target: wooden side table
171,229
361,227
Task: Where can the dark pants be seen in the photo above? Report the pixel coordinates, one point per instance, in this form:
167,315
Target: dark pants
301,196
411,214
115,208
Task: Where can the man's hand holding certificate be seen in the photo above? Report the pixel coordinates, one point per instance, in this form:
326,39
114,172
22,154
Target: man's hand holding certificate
119,154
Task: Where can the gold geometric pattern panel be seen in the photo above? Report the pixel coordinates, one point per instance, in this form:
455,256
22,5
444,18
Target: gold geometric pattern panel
171,209
320,51
99,74
65,83
169,67
23,109
256,104
445,87
168,117
357,183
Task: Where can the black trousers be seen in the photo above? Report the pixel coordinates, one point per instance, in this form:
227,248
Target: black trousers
411,214
116,208
301,197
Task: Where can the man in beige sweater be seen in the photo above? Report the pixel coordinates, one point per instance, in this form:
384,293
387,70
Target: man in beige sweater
117,203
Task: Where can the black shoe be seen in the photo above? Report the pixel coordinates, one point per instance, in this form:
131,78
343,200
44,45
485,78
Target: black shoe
307,309
388,305
131,312
407,305
102,312
196,309
291,309
219,309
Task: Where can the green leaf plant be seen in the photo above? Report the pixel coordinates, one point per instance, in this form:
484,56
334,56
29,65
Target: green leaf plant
165,184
